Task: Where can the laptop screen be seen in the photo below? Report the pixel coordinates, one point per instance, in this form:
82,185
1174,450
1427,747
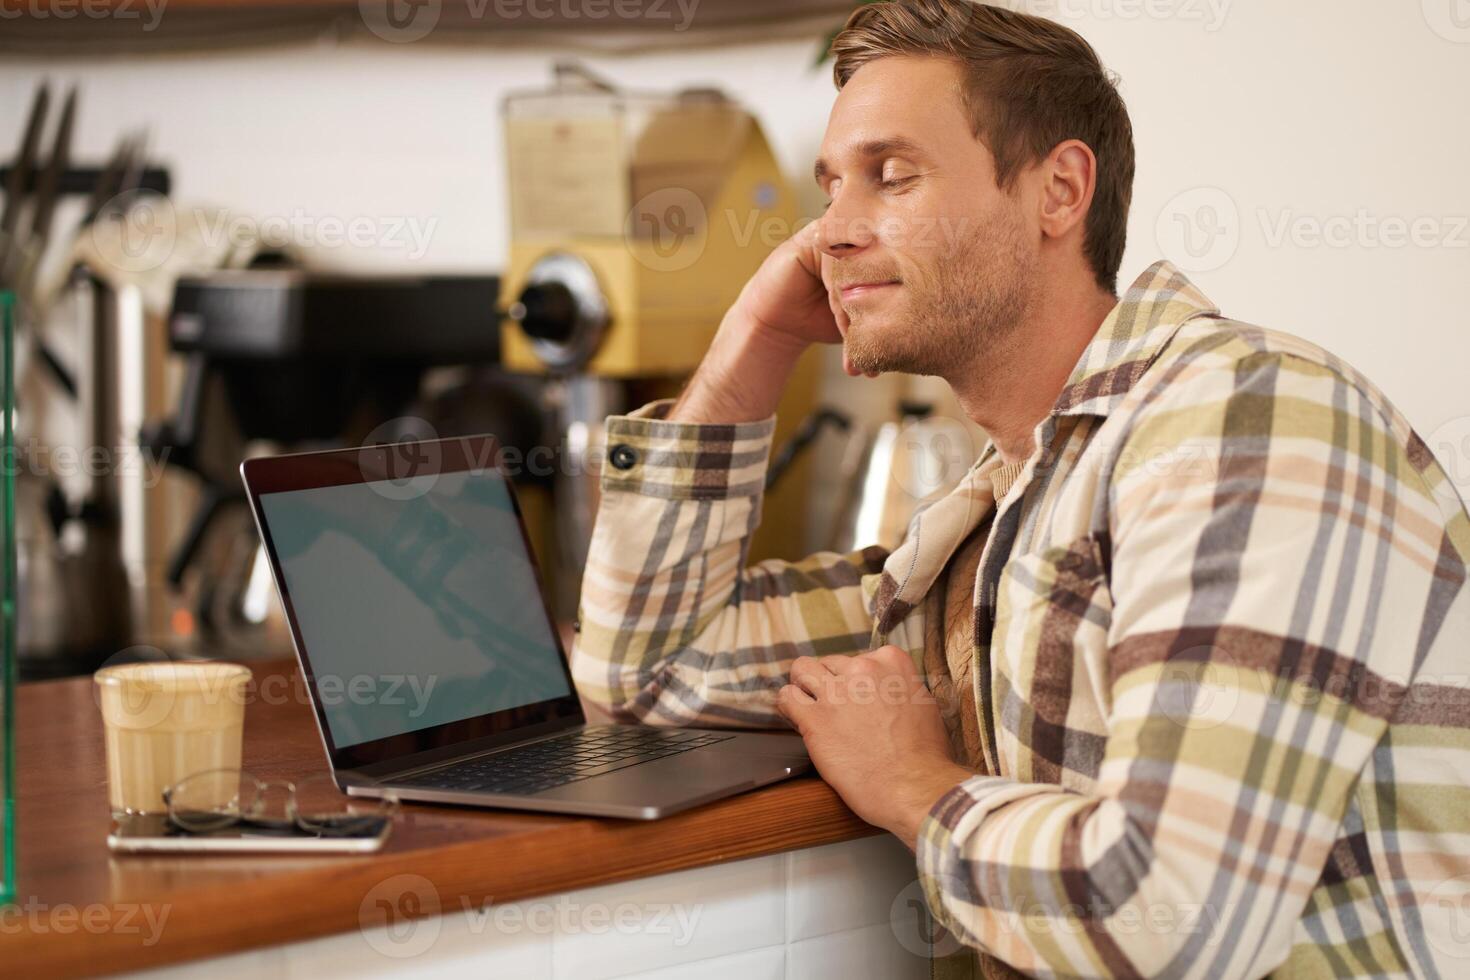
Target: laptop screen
418,603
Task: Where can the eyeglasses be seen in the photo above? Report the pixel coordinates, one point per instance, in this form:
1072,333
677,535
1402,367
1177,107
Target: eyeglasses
217,799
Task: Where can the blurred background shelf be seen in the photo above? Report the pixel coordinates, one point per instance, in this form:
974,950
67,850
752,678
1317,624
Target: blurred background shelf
113,27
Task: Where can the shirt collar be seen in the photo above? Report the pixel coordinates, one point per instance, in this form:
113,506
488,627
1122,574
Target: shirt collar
1130,339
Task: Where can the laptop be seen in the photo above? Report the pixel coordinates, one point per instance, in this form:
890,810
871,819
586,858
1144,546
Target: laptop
434,667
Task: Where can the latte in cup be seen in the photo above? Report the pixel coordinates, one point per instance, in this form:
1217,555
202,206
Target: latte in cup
166,721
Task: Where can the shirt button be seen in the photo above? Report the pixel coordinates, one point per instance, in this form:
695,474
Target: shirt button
622,456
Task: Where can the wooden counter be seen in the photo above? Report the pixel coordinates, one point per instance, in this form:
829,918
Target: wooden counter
80,910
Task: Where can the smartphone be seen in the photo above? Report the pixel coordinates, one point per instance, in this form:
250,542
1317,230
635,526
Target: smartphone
154,834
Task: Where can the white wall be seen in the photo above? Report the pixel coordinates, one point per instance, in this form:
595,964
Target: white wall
1305,112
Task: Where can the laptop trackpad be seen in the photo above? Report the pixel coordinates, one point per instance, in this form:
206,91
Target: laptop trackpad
673,780
784,744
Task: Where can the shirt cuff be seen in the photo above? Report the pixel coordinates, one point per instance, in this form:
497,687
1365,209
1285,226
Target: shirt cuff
942,871
685,460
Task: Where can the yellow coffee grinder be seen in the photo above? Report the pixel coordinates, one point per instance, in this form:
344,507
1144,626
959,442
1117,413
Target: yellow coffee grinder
636,218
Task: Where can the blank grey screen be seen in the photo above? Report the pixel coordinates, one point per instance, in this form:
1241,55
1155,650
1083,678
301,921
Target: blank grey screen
414,612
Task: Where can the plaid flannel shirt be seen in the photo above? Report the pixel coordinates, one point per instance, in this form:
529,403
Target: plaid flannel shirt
1220,655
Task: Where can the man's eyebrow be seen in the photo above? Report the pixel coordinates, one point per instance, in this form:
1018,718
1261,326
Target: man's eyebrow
871,148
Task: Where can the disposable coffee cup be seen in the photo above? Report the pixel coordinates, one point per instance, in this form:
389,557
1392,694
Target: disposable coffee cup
166,721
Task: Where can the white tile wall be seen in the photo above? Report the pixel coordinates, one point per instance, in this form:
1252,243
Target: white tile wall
678,918
756,964
447,947
844,886
856,954
840,911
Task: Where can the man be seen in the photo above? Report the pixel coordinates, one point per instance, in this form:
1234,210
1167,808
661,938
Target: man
1197,617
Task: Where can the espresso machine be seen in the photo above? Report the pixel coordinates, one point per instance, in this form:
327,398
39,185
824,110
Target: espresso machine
635,219
280,359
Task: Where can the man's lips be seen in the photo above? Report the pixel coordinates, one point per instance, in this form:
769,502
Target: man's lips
858,290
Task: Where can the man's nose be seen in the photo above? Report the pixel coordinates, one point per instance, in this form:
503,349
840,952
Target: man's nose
844,230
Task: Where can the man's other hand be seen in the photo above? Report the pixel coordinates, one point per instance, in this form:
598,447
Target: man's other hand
874,732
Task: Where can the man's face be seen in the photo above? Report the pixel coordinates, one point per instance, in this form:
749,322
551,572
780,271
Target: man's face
934,263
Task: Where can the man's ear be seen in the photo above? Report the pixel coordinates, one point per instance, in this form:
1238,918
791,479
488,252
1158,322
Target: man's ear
1069,177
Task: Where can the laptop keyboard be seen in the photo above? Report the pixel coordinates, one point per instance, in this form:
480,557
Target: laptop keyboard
565,759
